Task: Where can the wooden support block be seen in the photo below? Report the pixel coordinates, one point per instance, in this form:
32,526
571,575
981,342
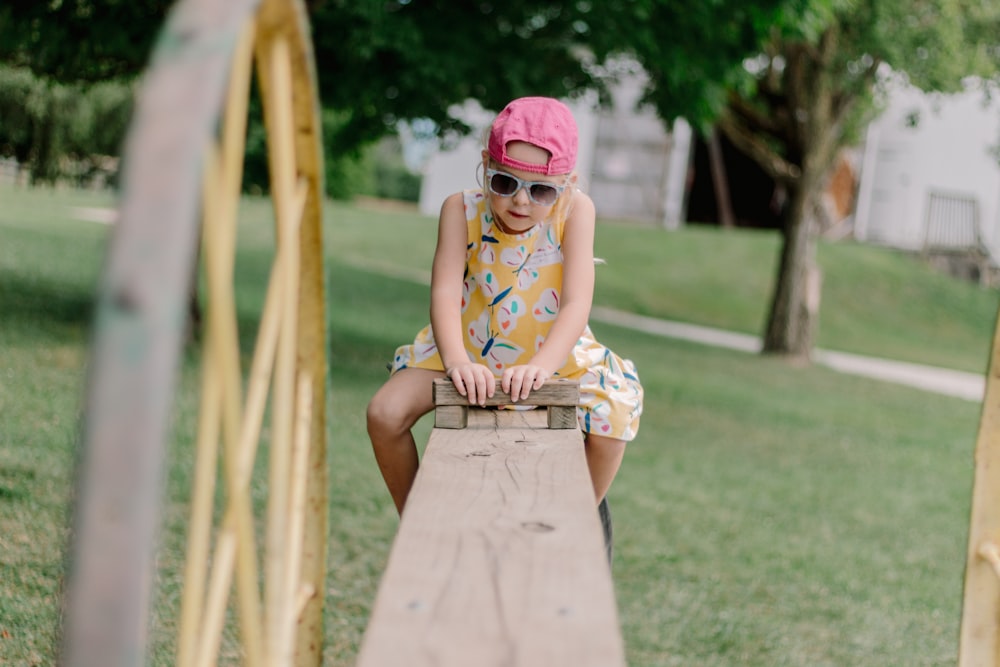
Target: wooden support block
499,558
560,416
451,416
560,397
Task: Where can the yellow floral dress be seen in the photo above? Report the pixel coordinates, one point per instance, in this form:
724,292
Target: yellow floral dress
510,299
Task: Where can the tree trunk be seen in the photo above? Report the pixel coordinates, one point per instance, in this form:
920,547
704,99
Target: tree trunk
793,127
815,137
720,182
791,324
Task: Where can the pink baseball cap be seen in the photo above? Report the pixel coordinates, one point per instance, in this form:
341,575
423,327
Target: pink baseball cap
542,121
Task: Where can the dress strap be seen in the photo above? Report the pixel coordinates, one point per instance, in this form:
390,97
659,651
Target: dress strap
475,206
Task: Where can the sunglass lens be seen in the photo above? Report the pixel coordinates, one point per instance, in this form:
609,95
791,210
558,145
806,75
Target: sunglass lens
503,185
544,194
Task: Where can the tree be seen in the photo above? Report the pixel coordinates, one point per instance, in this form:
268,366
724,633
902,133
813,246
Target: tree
787,81
811,97
66,80
73,41
385,61
805,95
380,61
42,122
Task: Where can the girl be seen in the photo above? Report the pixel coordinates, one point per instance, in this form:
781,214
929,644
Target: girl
511,290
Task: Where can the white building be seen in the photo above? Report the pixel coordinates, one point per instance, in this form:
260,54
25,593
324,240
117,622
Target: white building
458,168
930,176
627,163
929,172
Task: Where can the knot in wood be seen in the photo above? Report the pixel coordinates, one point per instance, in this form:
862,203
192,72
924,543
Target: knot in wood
537,527
481,452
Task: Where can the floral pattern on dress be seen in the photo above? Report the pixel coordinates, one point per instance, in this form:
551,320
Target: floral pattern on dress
510,298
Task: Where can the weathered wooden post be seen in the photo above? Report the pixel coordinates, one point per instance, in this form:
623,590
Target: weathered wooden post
183,166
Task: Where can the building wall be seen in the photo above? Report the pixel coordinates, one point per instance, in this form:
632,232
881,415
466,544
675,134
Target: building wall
458,168
631,167
923,145
631,158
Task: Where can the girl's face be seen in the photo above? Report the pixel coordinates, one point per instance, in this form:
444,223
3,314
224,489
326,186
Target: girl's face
518,212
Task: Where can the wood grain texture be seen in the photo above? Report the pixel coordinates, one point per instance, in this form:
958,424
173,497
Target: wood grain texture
559,397
451,416
561,416
499,558
553,392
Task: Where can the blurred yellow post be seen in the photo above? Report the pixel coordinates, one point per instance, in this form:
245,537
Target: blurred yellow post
185,154
281,625
980,633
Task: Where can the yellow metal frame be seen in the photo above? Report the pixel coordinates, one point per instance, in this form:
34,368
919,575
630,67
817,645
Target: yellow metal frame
283,626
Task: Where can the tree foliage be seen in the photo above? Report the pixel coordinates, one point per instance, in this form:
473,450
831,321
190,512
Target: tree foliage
788,81
384,61
75,41
810,93
790,84
44,124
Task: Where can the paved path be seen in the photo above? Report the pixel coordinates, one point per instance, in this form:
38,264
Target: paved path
969,386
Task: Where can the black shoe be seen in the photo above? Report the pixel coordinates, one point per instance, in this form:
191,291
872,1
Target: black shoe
605,513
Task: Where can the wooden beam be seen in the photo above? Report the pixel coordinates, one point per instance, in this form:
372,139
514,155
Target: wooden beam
499,558
560,397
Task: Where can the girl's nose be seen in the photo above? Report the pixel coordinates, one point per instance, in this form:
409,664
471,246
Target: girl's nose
521,197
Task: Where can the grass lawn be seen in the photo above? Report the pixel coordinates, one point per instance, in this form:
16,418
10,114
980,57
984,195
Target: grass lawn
766,515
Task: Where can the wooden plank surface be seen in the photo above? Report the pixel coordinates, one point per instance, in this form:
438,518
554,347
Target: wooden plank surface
499,558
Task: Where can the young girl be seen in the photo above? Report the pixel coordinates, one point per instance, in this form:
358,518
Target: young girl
511,291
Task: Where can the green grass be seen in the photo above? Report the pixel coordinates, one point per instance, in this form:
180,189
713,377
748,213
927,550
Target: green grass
48,270
875,301
766,515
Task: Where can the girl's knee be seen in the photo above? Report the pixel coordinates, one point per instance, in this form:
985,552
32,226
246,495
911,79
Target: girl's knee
387,416
384,417
401,401
605,444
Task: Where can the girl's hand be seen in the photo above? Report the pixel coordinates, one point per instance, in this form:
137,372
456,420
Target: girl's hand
473,381
519,381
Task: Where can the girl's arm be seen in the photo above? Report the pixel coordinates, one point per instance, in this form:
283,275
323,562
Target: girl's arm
574,307
472,380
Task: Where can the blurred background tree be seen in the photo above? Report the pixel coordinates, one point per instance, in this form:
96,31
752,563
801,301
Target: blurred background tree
789,82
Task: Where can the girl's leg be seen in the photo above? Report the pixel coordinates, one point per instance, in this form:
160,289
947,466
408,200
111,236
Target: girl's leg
403,399
604,457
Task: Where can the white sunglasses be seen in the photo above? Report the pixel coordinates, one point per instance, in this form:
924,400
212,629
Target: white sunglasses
542,193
